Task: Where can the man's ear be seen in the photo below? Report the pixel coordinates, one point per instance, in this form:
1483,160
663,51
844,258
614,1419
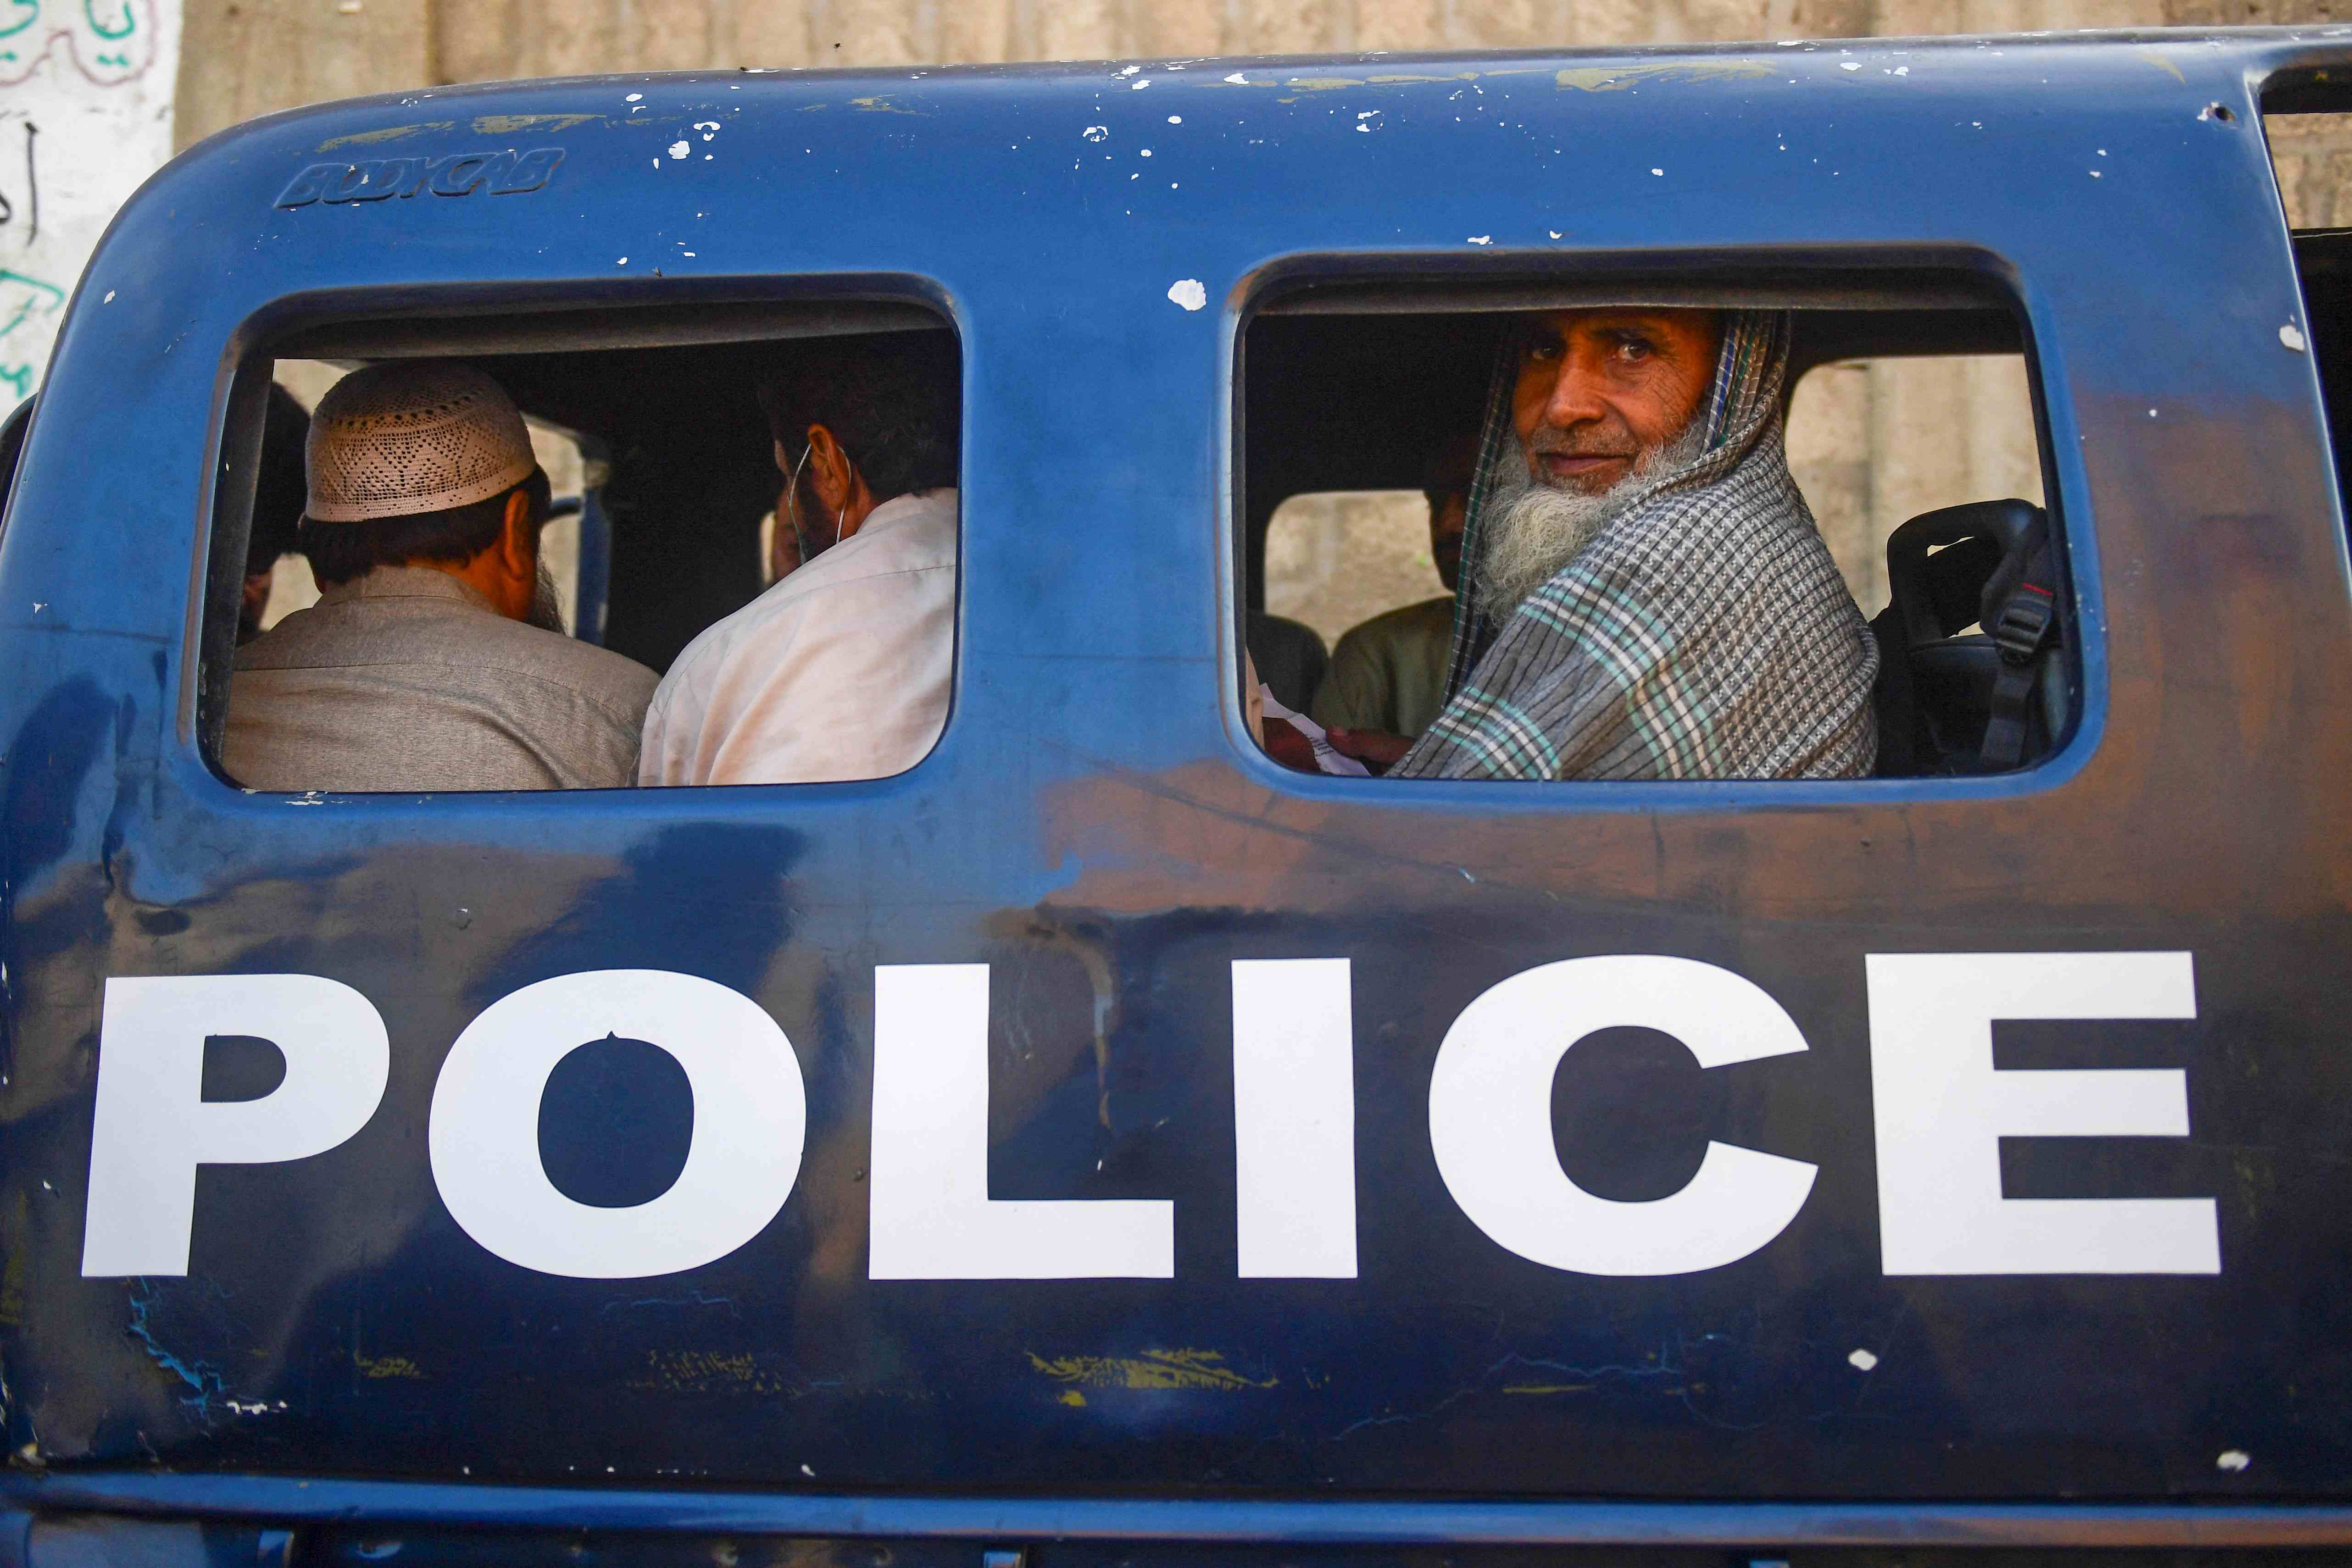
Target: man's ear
834,475
518,544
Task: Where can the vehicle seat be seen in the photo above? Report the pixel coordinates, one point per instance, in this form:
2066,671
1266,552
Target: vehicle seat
1953,701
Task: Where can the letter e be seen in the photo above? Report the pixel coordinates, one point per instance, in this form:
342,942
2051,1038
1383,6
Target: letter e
1942,1108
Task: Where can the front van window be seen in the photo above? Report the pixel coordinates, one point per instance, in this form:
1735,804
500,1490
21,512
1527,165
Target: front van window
1653,537
565,553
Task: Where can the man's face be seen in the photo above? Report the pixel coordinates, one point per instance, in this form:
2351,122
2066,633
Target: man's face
1600,391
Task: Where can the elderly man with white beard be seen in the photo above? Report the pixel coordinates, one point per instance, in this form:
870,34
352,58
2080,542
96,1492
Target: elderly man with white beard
1647,595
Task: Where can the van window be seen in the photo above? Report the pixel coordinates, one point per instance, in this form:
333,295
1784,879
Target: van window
1909,432
650,519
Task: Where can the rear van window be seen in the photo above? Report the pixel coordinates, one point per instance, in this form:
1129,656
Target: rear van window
561,550
1591,535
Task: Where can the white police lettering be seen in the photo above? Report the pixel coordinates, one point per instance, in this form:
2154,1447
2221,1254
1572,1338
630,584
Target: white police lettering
1941,1110
153,1126
1490,1117
750,1117
1294,1119
932,1218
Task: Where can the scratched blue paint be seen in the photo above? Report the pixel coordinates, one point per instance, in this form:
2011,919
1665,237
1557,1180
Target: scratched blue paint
1093,827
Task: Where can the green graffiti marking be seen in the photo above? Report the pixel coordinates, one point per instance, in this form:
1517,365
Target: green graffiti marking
32,14
130,23
38,296
20,378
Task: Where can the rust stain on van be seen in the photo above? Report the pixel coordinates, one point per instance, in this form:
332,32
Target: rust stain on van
1152,1370
1617,79
391,133
503,124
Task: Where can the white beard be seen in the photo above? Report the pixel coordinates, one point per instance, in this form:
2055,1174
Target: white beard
1538,527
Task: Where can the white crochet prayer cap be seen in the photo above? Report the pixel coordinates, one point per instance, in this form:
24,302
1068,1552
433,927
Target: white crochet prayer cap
415,435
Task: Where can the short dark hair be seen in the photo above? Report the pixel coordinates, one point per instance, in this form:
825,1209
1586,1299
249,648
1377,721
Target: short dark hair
278,491
894,402
339,552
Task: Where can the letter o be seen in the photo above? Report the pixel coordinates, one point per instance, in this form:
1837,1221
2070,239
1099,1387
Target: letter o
1490,1117
751,1116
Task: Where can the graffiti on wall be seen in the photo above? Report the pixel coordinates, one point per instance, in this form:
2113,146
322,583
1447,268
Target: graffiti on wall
85,115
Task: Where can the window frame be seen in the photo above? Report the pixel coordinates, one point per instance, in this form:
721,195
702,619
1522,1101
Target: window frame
1941,280
469,321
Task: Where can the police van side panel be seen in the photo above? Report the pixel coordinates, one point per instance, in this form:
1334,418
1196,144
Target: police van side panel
2001,1155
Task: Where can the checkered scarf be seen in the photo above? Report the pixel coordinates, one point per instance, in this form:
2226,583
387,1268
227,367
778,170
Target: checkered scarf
1703,634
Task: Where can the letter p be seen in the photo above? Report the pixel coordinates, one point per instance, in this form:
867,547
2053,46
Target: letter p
153,1126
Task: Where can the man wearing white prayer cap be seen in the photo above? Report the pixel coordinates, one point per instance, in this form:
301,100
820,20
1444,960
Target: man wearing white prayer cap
433,659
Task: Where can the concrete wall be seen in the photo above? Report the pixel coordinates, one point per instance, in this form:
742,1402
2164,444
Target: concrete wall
85,115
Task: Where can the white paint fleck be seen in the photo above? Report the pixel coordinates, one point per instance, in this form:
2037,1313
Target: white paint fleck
2291,336
1902,70
1188,292
1863,1360
1175,119
632,97
689,255
2233,1459
2094,173
1848,66
1147,152
623,262
1554,233
2151,414
109,297
680,149
1128,72
1238,79
1138,85
39,605
808,1472
709,127
1096,132
1482,239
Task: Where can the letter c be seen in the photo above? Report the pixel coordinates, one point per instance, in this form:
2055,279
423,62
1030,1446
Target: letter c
750,1115
1490,1117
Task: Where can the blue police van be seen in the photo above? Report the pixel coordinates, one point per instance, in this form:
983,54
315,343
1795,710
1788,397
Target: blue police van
1099,1142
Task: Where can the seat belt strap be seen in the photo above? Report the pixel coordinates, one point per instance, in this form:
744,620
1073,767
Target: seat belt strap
2024,626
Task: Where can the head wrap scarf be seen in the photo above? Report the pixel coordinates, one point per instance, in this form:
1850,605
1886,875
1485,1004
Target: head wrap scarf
1704,632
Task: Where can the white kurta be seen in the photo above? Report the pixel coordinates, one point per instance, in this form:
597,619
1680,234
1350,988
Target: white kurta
840,671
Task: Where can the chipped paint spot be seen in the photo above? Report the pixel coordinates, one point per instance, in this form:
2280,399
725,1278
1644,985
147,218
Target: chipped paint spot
369,138
878,106
504,124
633,98
1096,132
1238,79
398,1366
2291,336
1863,1359
1189,293
1617,79
1071,1396
1481,239
1848,66
1153,1370
678,149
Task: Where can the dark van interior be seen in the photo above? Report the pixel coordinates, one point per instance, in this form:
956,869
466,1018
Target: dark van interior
1343,388
1347,388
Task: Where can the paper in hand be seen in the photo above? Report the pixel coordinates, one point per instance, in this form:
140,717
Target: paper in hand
1327,757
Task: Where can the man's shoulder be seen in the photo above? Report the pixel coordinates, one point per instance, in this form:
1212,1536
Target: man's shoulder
476,641
1406,620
